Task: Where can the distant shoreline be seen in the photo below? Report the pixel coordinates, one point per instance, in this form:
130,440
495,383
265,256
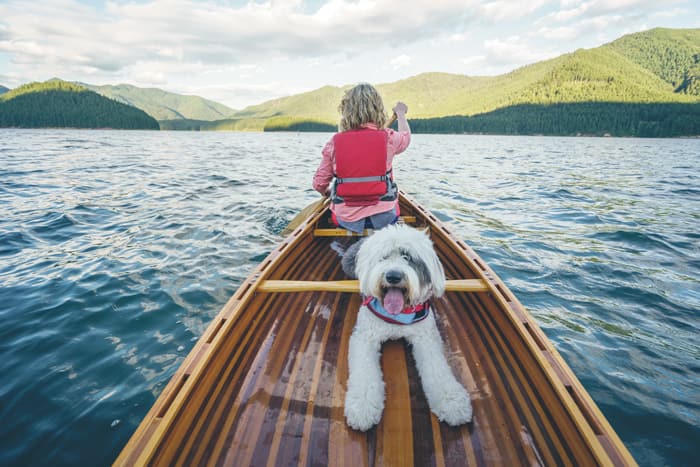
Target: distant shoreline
581,135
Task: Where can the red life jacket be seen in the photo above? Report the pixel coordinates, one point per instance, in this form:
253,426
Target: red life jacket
361,178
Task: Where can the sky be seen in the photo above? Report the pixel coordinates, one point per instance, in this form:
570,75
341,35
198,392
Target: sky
245,52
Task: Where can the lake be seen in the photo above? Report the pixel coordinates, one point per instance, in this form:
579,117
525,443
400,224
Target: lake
118,247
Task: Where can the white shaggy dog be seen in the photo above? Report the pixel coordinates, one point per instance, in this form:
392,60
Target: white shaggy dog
399,272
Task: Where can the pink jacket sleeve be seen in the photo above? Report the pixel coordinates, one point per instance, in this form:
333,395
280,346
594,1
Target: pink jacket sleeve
397,142
324,173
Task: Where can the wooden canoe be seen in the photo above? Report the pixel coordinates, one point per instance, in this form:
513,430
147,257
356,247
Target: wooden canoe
265,384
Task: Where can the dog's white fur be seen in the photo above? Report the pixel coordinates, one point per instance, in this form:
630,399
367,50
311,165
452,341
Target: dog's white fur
400,248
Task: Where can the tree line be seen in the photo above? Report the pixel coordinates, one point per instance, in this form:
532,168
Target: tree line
587,118
63,105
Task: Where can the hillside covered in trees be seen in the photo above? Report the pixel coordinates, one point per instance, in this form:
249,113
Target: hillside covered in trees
163,105
643,84
58,104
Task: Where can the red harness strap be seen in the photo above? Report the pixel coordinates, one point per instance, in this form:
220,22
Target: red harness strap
409,315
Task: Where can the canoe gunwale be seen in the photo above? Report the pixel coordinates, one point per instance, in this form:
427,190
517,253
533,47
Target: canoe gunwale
586,414
183,382
142,448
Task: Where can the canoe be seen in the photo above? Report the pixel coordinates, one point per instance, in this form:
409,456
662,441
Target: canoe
265,384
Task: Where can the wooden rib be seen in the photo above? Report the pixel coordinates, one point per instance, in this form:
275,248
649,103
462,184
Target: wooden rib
395,429
297,385
231,415
505,371
221,394
345,447
266,382
503,297
316,382
271,286
248,428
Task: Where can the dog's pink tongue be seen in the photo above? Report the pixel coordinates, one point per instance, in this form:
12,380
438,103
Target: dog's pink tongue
393,301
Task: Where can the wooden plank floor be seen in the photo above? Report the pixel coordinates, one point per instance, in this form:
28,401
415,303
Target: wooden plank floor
272,391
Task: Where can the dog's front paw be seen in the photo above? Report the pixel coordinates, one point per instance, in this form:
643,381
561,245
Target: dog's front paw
363,410
453,406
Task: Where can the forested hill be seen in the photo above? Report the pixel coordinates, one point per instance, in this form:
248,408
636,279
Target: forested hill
3,89
643,84
671,54
163,105
58,104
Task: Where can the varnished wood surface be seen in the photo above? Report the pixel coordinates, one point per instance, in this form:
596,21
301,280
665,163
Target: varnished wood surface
266,382
353,286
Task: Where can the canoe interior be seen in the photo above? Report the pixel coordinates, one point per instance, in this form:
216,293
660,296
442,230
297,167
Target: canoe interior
265,384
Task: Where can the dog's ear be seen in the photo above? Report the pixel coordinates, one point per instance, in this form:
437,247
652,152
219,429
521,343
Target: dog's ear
349,260
437,276
437,273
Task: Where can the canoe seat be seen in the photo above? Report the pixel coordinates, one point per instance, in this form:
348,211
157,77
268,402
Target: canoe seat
339,232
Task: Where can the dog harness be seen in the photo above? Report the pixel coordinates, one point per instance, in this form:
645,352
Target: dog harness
409,315
361,177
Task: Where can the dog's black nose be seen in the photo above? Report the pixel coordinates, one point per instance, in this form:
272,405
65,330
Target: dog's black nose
393,276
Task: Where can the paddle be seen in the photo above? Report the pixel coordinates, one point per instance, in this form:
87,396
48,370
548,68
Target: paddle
304,213
301,217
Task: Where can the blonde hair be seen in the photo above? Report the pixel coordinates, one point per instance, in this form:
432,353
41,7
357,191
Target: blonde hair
360,105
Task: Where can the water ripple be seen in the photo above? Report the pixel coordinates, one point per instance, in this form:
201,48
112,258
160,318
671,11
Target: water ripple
117,249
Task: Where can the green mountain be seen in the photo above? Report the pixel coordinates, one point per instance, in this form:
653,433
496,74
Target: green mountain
3,89
612,73
163,105
58,104
671,54
656,68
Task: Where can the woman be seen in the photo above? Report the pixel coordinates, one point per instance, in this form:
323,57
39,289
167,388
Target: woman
358,162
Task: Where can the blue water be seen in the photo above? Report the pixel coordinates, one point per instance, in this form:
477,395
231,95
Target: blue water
117,249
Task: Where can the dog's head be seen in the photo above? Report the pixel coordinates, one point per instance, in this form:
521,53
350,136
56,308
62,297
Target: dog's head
398,265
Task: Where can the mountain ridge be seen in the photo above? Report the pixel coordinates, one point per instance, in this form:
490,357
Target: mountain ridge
60,104
654,72
164,105
620,71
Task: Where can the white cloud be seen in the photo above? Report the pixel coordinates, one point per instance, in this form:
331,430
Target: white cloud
674,13
592,8
513,51
75,38
402,61
268,48
557,33
501,10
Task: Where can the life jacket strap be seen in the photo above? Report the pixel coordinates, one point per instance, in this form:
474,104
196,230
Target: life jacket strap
391,193
376,178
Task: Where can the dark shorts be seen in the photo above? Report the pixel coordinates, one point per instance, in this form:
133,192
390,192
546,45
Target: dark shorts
376,221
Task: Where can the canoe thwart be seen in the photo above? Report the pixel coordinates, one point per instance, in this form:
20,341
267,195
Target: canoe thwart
340,232
352,286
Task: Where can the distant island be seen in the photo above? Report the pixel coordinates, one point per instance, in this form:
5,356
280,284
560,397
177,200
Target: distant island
58,104
643,84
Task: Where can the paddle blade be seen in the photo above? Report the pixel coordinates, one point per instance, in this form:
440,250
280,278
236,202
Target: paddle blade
302,216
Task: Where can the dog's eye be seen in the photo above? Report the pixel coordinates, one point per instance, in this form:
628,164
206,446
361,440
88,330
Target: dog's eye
407,257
